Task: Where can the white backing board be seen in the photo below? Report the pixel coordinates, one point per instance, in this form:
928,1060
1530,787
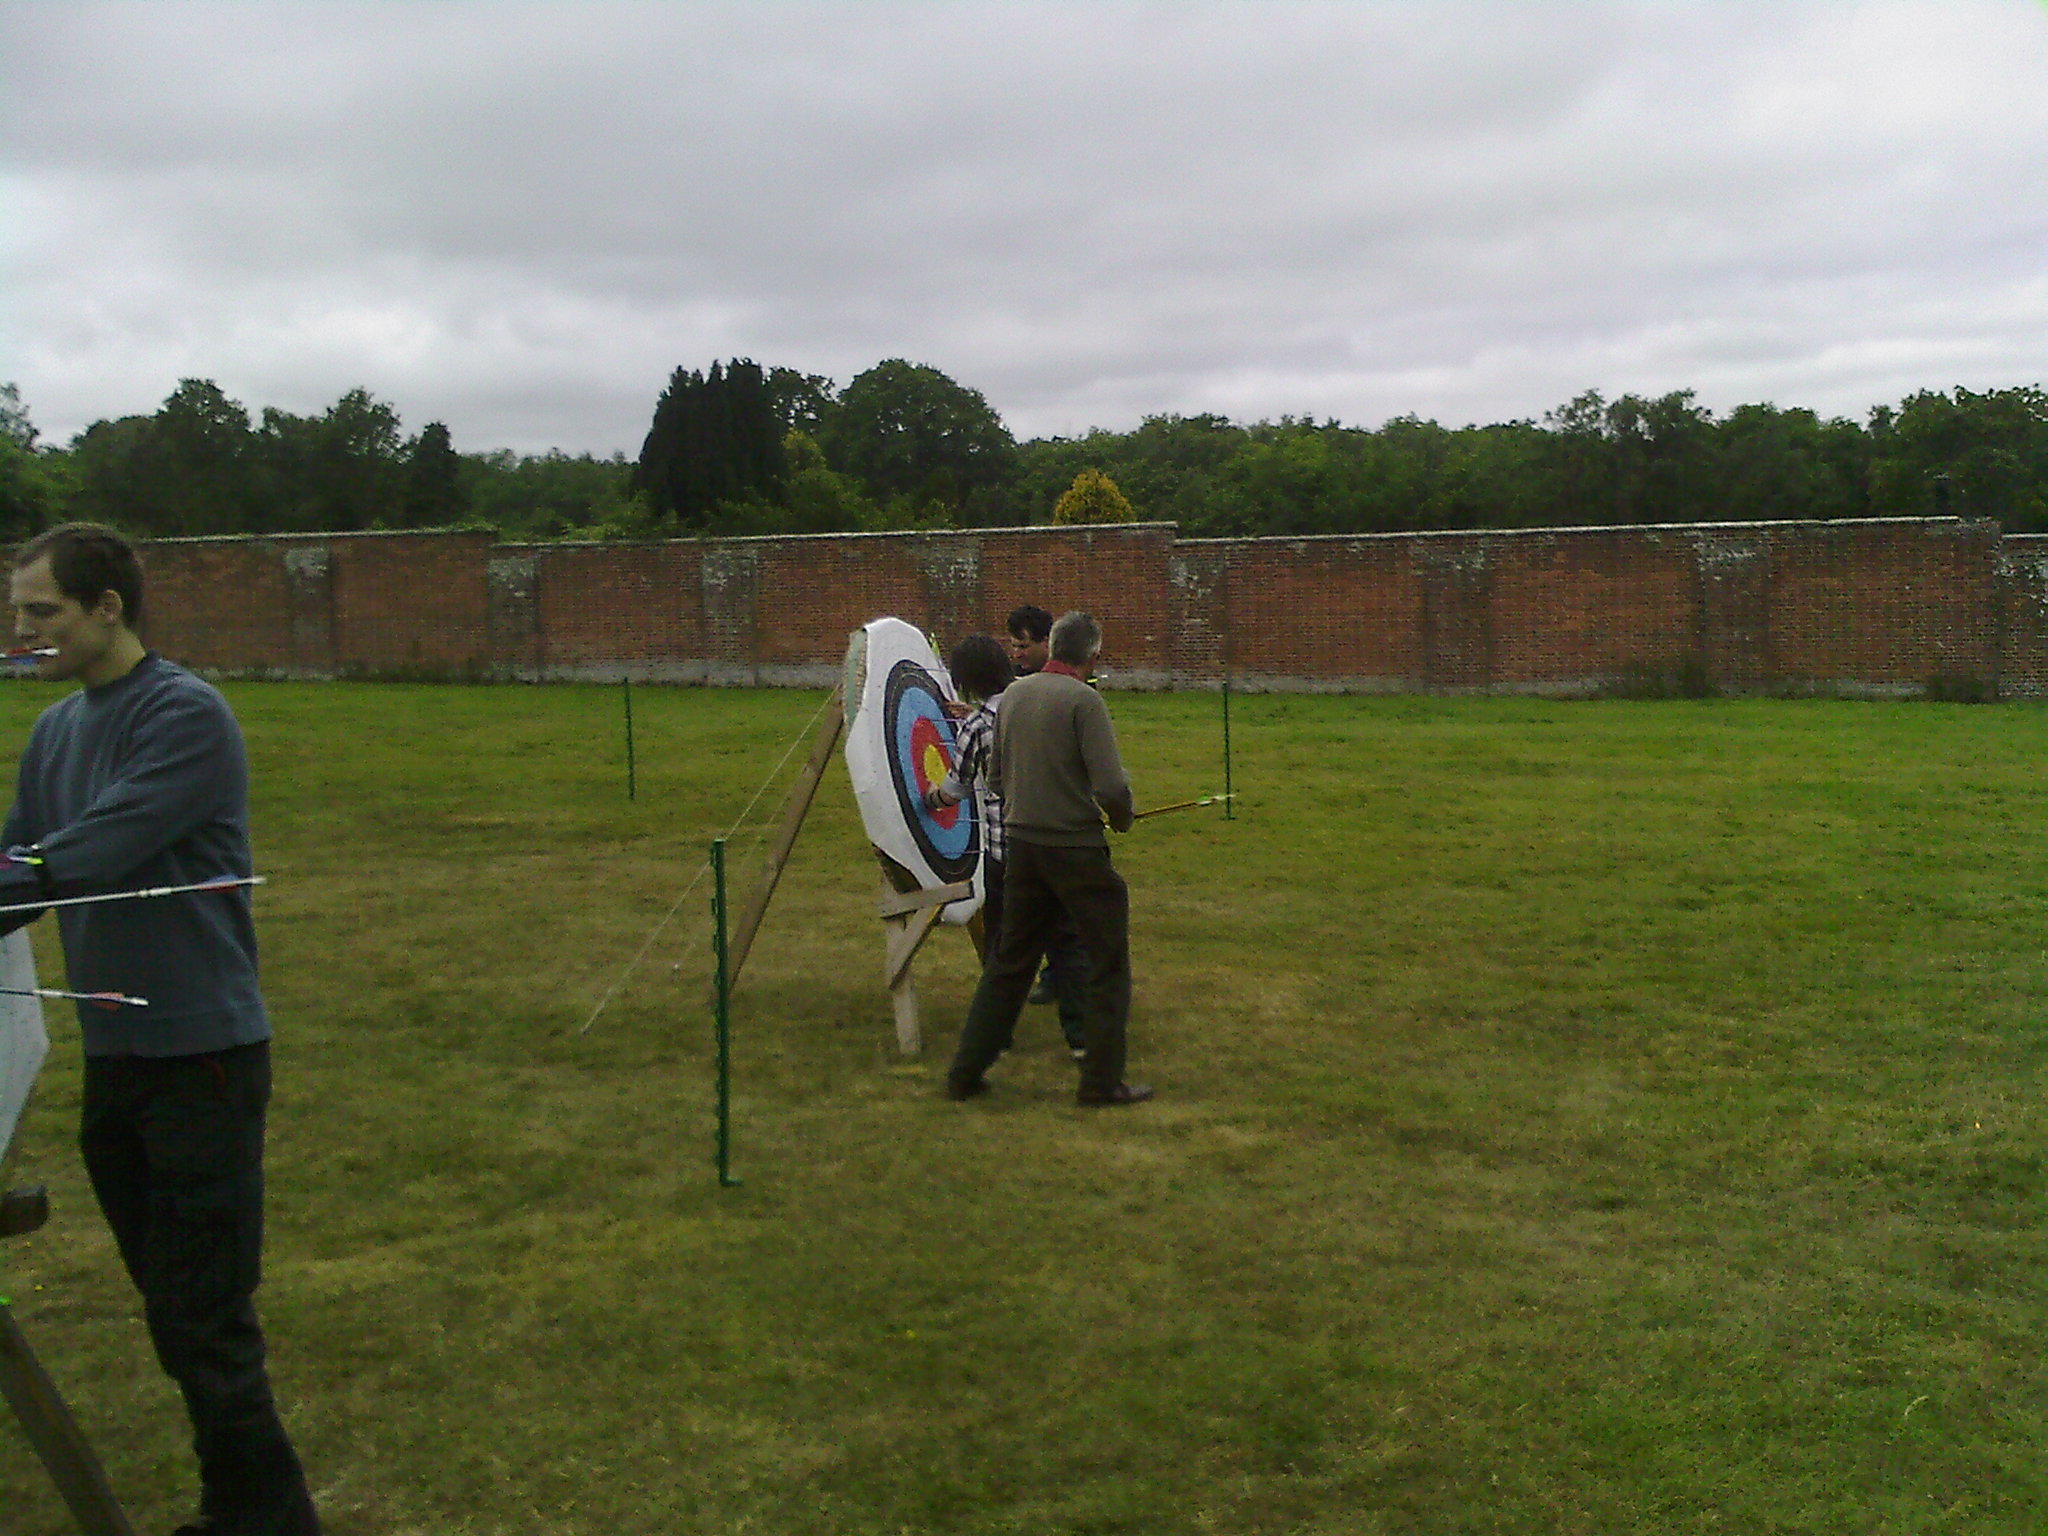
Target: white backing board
23,1042
882,761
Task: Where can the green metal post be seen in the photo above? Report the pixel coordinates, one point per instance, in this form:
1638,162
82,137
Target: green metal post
1229,805
723,1006
631,787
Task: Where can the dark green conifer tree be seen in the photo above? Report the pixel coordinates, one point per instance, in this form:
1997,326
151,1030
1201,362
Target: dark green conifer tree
435,495
716,437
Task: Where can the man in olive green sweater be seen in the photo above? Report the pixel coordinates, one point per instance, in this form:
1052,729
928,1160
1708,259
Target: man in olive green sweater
1057,768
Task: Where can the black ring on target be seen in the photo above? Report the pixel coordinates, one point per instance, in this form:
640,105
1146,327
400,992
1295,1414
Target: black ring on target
920,742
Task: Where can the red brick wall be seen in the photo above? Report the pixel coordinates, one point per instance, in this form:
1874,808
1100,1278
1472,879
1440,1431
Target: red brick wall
600,609
1617,603
808,594
1875,606
412,605
1336,610
2023,615
224,604
1886,603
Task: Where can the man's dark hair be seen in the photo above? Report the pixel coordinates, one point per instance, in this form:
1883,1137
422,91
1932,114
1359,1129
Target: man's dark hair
980,667
1030,621
86,560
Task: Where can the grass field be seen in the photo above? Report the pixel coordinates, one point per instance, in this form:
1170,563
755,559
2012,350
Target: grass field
1573,1118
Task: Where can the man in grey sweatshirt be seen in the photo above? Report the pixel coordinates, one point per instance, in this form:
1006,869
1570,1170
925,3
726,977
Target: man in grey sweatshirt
140,780
1057,768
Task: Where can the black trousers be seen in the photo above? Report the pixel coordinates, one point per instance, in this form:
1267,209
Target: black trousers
174,1148
1066,962
991,908
1066,972
1040,884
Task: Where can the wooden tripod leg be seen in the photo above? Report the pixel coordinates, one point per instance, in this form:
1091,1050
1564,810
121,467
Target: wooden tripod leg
902,936
903,1002
55,1436
794,809
908,915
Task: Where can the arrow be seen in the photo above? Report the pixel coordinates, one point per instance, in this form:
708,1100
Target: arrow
222,883
1183,805
111,999
29,653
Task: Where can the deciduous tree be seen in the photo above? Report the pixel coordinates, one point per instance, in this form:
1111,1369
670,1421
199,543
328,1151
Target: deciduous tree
907,432
1093,498
1978,454
32,487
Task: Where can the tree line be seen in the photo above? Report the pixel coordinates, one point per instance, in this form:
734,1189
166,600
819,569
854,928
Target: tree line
737,448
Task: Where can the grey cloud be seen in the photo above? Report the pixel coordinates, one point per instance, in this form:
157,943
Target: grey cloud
518,218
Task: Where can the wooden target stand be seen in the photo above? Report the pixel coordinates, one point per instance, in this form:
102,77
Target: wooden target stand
53,1434
908,916
908,913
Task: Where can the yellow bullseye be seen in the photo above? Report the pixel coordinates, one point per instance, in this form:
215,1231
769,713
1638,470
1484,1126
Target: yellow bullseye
932,767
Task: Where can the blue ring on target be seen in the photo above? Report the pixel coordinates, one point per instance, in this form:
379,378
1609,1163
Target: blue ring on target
920,741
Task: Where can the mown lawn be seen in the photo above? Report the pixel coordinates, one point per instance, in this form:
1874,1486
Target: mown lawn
1574,1117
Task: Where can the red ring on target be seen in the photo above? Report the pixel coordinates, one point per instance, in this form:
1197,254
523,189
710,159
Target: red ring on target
930,761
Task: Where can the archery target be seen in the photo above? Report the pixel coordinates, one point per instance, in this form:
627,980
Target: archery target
23,1042
921,742
899,743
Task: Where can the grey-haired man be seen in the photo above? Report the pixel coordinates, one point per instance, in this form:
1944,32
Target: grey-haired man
1058,770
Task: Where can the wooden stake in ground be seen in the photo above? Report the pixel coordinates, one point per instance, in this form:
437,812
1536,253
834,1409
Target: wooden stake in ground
52,1432
907,921
39,1407
794,809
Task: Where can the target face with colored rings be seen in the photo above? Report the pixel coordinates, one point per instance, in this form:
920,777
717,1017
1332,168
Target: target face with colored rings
921,746
899,743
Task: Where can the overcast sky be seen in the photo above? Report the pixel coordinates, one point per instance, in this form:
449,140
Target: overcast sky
519,218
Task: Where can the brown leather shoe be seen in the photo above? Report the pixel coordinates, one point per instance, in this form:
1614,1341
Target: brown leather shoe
1122,1093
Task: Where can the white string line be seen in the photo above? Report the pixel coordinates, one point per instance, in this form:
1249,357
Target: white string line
757,840
613,990
736,859
703,869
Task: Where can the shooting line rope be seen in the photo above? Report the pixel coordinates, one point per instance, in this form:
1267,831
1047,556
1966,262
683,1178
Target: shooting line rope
704,868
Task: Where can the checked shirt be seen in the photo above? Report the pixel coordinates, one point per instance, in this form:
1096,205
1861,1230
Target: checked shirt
972,742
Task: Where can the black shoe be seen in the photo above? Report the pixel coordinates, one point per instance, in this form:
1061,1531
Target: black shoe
1122,1093
297,1519
959,1092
